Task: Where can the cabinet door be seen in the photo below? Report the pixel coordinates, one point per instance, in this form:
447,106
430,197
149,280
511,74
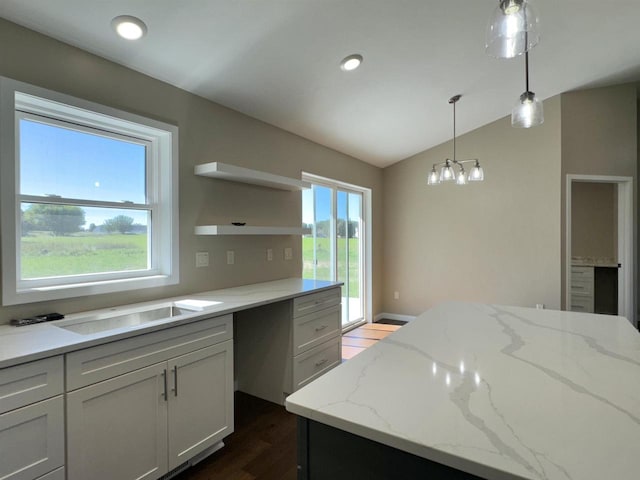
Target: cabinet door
117,429
200,401
32,440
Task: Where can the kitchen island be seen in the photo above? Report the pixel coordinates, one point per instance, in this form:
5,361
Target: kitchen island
480,391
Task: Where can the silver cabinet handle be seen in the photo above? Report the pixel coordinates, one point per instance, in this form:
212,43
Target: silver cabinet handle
175,380
164,377
577,286
321,362
319,329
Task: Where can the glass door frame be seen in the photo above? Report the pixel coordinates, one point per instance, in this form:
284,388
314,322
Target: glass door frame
364,246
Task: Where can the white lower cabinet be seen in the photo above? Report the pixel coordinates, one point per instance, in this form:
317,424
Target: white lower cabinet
145,423
200,401
118,428
32,440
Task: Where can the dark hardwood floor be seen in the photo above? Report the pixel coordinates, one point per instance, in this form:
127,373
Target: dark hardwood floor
263,446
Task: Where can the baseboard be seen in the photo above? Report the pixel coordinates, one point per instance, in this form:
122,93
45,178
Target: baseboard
394,316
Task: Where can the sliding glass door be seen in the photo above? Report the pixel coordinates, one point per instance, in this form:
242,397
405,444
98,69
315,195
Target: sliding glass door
334,248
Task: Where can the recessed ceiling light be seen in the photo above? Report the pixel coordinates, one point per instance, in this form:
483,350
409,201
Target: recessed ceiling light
128,27
351,62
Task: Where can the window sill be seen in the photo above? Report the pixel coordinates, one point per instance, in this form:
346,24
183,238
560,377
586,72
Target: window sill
41,294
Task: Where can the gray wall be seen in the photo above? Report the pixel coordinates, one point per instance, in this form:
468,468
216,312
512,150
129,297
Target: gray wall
594,220
208,132
497,241
599,137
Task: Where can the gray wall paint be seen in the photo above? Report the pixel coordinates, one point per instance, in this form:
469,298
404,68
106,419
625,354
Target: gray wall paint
208,132
599,137
496,241
594,220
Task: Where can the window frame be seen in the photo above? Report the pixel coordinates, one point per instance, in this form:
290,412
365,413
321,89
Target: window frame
20,100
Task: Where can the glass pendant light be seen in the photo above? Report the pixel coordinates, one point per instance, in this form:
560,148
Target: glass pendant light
513,29
461,179
447,174
477,173
528,111
434,178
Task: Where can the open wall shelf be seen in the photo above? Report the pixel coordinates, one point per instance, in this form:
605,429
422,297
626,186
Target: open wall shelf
248,230
225,171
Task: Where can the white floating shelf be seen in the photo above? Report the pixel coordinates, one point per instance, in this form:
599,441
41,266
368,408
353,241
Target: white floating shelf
248,230
225,171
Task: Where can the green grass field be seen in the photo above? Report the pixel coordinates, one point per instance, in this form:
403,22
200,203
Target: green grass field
44,255
324,261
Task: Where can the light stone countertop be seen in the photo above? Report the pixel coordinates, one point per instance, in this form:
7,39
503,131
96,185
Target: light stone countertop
498,392
24,344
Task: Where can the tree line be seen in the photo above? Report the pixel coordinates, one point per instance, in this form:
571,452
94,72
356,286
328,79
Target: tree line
323,228
63,220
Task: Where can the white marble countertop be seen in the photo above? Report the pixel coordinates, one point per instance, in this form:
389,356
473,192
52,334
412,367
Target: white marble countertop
498,392
24,344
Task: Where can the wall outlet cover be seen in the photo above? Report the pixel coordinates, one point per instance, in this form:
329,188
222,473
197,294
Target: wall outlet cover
202,259
269,254
288,253
231,257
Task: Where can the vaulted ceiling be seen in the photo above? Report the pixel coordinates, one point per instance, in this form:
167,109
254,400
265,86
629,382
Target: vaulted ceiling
278,60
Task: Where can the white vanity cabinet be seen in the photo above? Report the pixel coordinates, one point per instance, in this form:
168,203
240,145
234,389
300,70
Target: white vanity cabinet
283,346
32,420
141,407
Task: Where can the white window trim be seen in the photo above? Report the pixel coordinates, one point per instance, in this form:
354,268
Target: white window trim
163,152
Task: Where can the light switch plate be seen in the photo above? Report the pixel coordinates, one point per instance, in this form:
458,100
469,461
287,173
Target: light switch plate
231,257
202,259
288,253
269,254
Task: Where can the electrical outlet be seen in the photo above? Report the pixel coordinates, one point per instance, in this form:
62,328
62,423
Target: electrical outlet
231,257
396,295
269,254
202,259
288,253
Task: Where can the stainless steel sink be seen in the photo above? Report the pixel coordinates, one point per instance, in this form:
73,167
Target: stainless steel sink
96,324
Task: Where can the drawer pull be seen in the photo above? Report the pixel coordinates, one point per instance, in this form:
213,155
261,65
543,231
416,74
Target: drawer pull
321,362
319,329
577,286
577,306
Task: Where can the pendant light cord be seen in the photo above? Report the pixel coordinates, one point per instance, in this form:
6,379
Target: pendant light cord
526,68
454,132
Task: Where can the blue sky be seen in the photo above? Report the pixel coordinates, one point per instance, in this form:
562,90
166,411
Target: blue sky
74,164
323,204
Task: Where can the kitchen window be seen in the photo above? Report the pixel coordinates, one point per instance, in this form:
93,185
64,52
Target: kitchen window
89,197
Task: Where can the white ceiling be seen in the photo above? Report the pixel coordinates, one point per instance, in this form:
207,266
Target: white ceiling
278,60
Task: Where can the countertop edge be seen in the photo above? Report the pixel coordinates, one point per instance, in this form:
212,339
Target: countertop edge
86,341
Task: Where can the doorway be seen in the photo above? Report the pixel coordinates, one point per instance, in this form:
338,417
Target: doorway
599,245
336,247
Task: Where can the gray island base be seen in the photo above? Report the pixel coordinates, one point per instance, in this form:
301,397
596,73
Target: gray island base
328,453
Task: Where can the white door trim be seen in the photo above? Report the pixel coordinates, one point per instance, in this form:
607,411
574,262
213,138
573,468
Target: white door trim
626,295
367,217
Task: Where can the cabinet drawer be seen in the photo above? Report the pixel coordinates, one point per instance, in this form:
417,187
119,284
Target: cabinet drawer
582,286
315,328
32,440
581,272
582,303
316,301
314,363
96,364
30,383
